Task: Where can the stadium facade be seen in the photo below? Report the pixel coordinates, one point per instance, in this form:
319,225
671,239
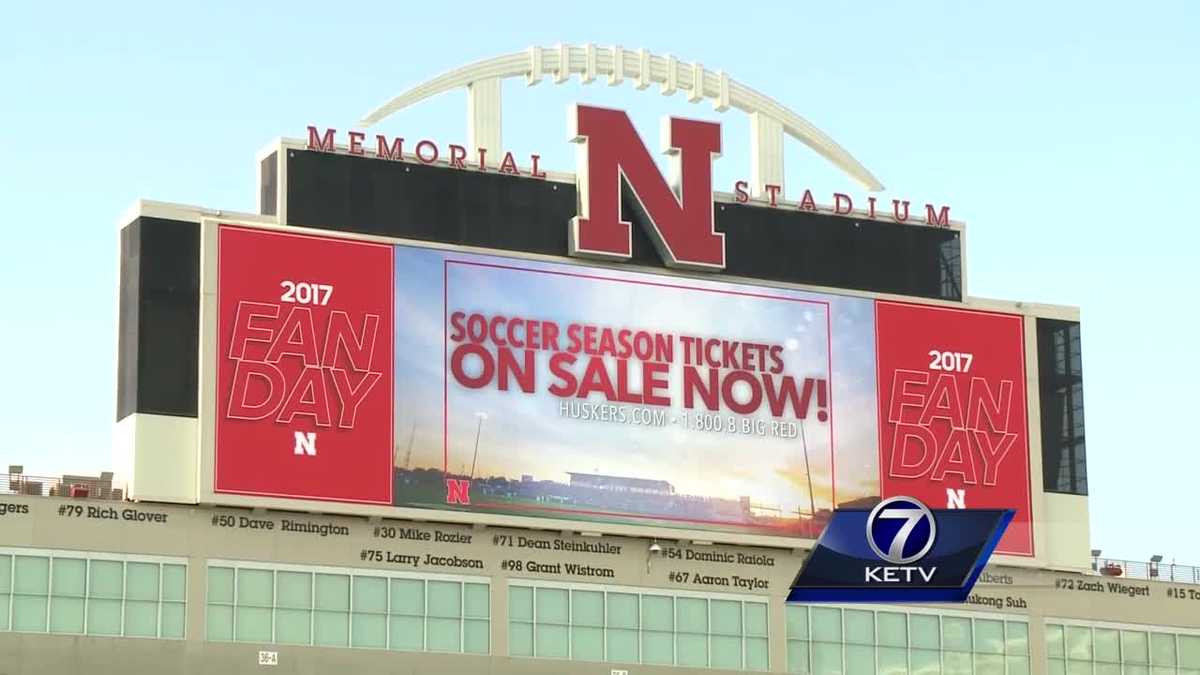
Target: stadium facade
438,409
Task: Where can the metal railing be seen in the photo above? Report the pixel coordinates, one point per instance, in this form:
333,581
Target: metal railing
80,487
1155,571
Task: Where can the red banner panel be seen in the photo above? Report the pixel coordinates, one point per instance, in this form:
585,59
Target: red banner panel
952,411
304,366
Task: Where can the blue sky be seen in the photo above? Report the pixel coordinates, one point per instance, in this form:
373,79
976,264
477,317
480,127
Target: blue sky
1064,134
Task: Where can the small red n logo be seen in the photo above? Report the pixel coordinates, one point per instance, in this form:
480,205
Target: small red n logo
458,491
679,220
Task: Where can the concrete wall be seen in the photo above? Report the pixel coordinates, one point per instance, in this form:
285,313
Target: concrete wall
194,533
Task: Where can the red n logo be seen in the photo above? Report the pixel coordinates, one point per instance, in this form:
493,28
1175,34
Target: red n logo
458,491
679,221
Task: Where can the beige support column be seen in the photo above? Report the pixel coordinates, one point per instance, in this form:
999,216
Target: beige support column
483,119
766,153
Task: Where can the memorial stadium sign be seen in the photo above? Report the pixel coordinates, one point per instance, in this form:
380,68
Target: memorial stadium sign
679,217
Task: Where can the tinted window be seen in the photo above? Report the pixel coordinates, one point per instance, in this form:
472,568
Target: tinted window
1060,374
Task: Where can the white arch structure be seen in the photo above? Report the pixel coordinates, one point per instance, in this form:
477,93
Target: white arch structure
769,119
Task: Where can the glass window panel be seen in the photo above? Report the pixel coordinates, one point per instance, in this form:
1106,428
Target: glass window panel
657,646
892,660
29,613
141,581
445,599
106,580
550,640
656,613
756,618
956,633
860,628
1056,667
104,618
330,628
1055,648
368,630
956,663
5,599
797,621
1189,651
893,629
826,658
67,588
692,649
989,664
477,600
293,626
757,653
1162,649
825,626
174,582
255,588
587,609
1081,667
726,617
1079,643
1106,644
587,643
219,620
69,576
1016,635
797,656
253,624
173,619
860,659
5,574
31,576
1107,669
444,635
407,632
293,590
989,637
520,639
923,629
66,615
622,610
476,636
551,606
370,595
408,597
220,584
622,644
1162,670
1135,647
520,603
726,652
924,661
691,615
141,618
1135,670
332,592
1017,665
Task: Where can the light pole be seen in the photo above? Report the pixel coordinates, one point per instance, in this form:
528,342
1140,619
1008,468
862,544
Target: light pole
812,502
478,429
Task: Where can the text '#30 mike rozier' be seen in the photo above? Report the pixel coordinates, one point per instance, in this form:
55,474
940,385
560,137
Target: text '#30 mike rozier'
900,551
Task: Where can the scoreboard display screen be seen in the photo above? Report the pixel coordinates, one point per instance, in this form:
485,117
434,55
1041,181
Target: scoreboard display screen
364,370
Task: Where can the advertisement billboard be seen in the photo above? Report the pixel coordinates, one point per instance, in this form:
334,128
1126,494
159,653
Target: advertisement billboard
437,379
298,363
